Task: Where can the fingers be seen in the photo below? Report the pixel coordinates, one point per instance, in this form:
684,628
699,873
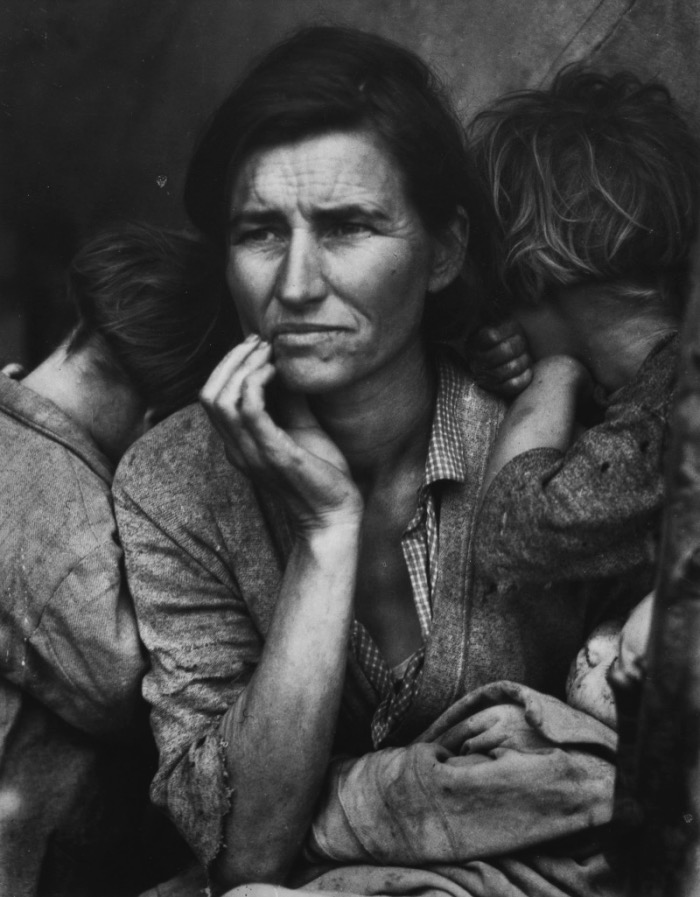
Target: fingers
14,371
487,337
234,399
499,358
484,742
513,387
227,368
294,413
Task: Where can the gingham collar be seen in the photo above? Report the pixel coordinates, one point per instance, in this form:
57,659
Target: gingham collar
445,459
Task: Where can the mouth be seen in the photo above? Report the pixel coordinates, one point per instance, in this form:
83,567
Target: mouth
303,334
303,328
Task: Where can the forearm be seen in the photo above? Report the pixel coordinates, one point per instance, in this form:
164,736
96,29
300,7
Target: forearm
543,416
433,801
279,733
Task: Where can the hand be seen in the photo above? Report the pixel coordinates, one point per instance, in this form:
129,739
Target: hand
504,725
630,666
14,371
298,461
499,358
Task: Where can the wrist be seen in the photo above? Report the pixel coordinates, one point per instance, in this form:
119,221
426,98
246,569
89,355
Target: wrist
341,527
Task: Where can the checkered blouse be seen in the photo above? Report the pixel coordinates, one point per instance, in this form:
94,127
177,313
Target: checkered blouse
420,543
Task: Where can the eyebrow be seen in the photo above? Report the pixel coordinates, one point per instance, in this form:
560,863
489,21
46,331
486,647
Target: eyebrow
253,217
332,213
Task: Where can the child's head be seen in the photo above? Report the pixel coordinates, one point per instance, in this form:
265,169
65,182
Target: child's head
593,181
154,311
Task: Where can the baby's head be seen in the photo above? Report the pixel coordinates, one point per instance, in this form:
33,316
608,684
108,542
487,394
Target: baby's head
612,645
587,686
593,182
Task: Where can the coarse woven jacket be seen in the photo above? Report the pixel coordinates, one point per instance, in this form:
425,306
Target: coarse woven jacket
70,658
205,553
593,511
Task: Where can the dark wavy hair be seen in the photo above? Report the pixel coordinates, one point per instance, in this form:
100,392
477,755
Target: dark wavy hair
330,78
155,306
594,179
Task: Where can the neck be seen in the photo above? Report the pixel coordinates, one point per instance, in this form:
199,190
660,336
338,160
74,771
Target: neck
383,424
109,412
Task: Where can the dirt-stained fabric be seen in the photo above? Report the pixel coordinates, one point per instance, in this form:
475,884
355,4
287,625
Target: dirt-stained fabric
70,661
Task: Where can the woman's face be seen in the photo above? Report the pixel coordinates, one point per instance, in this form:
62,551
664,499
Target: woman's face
328,260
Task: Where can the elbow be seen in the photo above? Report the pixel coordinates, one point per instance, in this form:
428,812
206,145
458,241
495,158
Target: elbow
109,709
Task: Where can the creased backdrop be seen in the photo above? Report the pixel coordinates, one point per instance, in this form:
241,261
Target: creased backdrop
101,100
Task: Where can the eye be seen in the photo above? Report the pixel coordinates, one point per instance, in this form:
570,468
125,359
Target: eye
346,229
256,236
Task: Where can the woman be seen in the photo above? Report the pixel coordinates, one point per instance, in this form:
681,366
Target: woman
330,505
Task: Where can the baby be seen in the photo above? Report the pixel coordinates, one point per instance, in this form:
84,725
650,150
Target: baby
613,650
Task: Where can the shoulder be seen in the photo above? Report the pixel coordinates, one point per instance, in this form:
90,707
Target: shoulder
47,483
170,444
55,515
179,472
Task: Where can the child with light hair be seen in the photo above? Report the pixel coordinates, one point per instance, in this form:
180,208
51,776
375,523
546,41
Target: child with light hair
594,186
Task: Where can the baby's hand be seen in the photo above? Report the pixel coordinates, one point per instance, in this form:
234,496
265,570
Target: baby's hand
499,359
504,725
634,638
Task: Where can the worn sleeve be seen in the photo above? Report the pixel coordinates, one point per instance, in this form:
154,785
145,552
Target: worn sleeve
592,512
82,656
203,648
429,803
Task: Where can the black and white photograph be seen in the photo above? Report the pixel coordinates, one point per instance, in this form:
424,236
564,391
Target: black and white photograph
349,448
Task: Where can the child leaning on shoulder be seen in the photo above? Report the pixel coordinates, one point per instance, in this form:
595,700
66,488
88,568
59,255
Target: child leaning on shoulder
594,186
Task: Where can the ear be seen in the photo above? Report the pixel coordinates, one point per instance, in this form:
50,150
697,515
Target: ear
450,251
150,419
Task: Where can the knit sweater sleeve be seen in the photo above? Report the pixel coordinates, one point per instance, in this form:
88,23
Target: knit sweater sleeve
202,643
594,511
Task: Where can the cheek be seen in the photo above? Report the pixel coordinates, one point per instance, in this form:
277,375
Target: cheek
395,284
247,292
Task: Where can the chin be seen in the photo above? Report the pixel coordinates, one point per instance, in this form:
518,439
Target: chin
309,378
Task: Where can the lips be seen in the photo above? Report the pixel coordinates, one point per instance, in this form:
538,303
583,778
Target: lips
299,329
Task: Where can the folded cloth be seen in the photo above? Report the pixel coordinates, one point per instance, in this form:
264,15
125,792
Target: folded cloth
533,876
523,819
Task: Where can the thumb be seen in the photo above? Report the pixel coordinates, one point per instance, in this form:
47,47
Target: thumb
294,412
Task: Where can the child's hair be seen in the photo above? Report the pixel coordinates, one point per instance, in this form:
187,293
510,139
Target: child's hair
155,307
592,180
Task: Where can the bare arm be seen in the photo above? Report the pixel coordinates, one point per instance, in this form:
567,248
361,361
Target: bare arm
593,510
542,416
278,734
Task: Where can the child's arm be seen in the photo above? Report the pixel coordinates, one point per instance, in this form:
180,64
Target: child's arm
543,415
592,511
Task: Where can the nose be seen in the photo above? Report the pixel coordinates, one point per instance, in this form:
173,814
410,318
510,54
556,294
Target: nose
300,277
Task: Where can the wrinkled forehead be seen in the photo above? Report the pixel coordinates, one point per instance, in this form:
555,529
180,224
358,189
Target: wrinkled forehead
338,168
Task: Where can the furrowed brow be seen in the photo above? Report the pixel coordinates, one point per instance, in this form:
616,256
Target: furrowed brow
239,219
351,210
